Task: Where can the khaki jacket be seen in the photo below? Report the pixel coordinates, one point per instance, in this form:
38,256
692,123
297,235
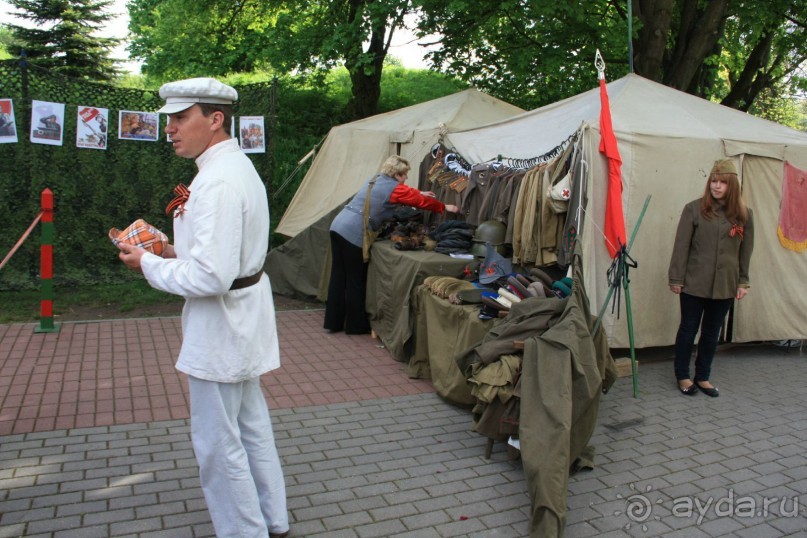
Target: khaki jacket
707,260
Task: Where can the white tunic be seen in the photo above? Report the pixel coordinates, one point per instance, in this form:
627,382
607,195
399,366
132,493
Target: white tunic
222,234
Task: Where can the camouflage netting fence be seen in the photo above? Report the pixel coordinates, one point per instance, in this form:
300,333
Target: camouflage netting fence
94,190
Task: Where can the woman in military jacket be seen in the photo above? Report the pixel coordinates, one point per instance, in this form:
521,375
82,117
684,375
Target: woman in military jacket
708,270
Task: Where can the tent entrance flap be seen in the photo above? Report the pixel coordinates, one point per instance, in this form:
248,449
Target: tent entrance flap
402,137
398,139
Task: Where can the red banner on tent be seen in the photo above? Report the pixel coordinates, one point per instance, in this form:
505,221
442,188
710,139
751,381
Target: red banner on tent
614,229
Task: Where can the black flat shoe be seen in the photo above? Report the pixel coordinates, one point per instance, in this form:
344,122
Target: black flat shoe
712,392
691,390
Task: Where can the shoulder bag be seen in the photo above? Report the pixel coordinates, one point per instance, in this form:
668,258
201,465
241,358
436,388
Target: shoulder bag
369,235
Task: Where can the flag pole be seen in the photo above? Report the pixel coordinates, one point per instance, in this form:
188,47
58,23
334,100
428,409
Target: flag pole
627,250
615,236
630,36
623,280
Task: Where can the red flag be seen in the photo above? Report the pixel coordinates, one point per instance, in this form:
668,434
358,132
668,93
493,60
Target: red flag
614,216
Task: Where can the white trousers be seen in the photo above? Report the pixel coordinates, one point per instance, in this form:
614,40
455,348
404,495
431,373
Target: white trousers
239,466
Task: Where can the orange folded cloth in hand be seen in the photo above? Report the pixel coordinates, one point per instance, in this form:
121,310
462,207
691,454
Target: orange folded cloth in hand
142,234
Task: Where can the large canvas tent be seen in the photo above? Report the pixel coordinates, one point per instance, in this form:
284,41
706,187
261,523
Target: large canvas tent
350,155
668,141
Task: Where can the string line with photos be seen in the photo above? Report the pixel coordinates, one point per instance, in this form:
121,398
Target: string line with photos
46,122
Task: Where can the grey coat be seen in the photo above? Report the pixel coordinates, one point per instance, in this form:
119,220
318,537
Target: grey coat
349,223
707,260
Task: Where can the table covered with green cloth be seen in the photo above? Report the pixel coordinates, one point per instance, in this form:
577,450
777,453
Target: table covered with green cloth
442,332
392,276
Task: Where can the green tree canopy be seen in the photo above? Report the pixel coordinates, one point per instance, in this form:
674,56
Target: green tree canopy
176,38
534,52
6,43
61,38
528,52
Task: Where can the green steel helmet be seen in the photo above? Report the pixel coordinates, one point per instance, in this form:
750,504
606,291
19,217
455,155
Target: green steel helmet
490,231
478,249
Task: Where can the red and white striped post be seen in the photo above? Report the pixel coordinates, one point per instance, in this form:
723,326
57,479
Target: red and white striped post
46,324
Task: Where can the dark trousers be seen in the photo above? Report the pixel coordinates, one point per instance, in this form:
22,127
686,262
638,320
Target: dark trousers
709,315
344,309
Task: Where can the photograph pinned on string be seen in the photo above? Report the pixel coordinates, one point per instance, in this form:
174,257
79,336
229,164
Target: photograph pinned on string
135,125
47,123
91,127
253,138
8,126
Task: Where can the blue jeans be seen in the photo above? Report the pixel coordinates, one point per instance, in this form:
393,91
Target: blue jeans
708,315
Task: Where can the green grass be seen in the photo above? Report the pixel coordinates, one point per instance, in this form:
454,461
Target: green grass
23,306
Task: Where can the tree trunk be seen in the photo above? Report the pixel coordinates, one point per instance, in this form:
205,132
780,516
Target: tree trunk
651,42
687,20
365,67
366,78
699,44
366,91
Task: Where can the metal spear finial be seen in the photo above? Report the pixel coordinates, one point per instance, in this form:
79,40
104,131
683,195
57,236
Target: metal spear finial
599,63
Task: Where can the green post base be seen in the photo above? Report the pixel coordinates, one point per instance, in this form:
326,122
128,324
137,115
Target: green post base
47,327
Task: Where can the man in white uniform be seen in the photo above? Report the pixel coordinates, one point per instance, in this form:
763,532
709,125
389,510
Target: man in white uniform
221,236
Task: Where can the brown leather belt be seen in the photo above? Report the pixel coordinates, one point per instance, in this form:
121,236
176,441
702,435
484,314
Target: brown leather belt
247,281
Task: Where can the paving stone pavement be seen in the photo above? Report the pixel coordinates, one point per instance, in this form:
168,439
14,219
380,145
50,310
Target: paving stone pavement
409,466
